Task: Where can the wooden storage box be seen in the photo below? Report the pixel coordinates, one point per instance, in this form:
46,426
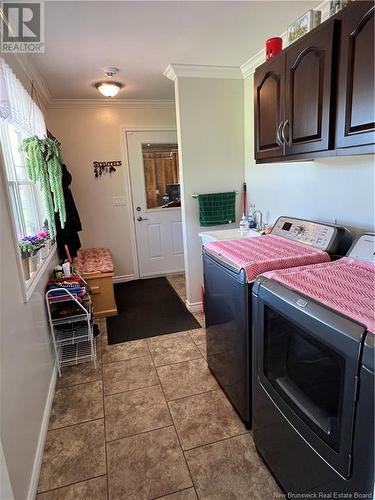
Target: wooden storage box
96,266
103,298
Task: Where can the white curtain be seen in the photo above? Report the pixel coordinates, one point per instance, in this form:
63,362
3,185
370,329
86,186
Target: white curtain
17,106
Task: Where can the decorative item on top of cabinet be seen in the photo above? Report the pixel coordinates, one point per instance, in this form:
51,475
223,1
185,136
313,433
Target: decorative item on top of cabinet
274,46
356,110
337,5
301,26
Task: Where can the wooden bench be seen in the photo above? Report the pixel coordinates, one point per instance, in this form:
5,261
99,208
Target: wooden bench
96,267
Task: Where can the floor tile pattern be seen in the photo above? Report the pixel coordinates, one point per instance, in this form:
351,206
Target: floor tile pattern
150,422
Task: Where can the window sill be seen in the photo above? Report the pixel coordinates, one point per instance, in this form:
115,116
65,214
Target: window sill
30,284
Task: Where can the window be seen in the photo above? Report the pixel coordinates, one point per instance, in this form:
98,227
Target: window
25,197
21,118
160,165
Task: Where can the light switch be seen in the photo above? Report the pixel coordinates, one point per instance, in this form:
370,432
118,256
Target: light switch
118,201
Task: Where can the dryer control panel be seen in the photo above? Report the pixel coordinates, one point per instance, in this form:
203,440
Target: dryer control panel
316,234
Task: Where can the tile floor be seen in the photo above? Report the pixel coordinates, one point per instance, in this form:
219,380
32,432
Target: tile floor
149,422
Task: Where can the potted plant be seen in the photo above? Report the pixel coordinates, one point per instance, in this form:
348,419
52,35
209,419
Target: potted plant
45,240
25,248
43,165
29,245
25,262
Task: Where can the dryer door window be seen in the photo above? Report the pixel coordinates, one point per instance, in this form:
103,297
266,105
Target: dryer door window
307,374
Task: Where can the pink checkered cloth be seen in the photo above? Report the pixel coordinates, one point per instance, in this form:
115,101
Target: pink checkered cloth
94,260
258,255
346,286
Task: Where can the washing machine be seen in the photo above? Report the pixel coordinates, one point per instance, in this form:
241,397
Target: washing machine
313,375
230,268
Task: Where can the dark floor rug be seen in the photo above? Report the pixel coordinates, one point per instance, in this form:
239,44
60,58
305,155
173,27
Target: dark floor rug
147,308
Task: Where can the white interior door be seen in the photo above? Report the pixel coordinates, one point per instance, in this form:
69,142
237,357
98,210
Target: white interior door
152,162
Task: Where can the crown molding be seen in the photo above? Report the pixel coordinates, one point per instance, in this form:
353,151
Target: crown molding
40,85
248,67
110,103
34,77
174,71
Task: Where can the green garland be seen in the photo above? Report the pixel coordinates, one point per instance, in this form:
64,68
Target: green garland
43,165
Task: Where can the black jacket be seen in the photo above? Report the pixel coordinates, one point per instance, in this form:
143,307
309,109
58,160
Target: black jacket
68,235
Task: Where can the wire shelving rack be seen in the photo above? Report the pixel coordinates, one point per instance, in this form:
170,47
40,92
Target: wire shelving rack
72,335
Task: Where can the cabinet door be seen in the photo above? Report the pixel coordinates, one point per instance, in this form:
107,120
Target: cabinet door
355,116
309,124
269,108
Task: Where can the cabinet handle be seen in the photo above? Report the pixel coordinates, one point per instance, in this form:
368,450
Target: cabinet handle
286,141
278,138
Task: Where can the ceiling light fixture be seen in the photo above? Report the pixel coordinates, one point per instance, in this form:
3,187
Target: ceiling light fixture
109,88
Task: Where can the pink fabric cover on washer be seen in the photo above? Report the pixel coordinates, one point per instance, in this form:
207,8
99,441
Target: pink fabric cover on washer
94,260
266,253
346,286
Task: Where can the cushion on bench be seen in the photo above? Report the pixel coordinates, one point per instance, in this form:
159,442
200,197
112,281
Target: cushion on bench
94,260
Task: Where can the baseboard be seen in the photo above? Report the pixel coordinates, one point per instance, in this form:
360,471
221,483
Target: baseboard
158,275
130,277
194,307
177,271
33,486
124,277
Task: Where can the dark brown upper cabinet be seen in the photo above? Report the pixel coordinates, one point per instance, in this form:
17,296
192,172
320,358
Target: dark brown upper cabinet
316,98
292,98
269,109
308,118
355,109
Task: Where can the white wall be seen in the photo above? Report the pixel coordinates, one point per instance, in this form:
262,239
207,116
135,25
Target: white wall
210,134
95,134
339,188
26,364
6,491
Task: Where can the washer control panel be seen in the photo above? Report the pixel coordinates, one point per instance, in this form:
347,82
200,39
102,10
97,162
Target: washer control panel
311,233
364,248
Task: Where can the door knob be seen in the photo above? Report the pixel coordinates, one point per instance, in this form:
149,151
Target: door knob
140,219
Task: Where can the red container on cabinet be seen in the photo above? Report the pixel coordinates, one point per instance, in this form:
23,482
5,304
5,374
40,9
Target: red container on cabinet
273,47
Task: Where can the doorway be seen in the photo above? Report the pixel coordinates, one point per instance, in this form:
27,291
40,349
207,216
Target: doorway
155,185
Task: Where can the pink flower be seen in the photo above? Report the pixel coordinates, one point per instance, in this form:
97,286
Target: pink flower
43,234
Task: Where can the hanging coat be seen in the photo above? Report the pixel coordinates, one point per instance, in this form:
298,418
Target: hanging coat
68,235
